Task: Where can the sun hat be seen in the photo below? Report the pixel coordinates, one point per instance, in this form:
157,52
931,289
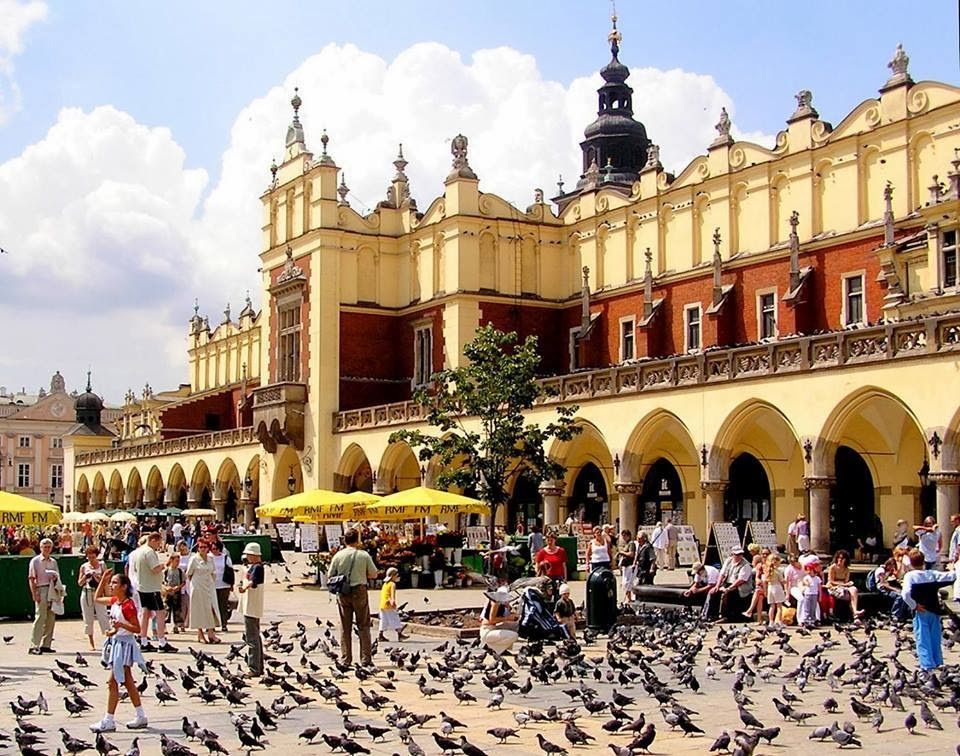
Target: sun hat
564,589
696,567
391,571
499,596
252,548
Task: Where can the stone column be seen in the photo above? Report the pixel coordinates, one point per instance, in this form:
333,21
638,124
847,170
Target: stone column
714,491
628,505
819,488
948,503
551,491
220,506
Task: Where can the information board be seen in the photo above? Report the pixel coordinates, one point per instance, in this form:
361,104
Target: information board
309,538
286,532
724,538
687,552
761,533
476,535
583,531
333,534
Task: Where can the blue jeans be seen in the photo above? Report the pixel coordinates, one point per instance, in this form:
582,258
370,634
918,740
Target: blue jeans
928,632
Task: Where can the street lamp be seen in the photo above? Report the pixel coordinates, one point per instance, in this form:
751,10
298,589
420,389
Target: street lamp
291,481
924,473
248,485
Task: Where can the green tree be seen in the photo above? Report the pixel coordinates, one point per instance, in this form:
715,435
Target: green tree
484,440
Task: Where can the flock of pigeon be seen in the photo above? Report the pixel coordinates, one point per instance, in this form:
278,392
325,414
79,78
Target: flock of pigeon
637,691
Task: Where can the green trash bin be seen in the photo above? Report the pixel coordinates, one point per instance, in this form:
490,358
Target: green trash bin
235,544
15,599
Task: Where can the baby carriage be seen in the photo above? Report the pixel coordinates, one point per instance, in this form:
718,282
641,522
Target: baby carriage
536,621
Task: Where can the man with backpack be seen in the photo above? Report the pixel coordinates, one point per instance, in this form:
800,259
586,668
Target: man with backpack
357,567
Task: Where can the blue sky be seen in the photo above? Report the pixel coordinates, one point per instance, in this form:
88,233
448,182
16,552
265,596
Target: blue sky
135,136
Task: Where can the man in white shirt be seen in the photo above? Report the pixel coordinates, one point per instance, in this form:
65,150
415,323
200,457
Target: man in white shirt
704,578
177,531
733,589
146,566
930,543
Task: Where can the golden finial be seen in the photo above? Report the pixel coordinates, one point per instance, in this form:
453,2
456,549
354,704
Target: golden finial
614,37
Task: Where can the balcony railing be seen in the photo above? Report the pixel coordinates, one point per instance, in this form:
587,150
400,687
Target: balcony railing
278,414
890,341
182,445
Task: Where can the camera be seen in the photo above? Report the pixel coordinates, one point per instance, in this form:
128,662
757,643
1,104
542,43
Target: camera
92,582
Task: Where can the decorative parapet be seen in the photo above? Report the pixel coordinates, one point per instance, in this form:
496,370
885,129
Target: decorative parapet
801,354
183,445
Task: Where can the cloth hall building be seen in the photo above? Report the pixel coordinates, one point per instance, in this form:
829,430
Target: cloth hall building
773,330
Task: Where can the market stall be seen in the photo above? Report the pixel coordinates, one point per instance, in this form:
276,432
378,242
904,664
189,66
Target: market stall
435,557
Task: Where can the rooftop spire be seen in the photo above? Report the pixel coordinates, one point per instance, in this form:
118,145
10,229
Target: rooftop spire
295,136
89,387
614,37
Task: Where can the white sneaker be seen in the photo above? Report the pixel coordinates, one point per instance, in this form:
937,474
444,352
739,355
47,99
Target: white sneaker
137,724
104,725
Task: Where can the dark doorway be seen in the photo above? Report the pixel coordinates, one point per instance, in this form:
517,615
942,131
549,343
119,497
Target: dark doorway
182,498
205,498
230,508
662,495
362,479
589,494
526,504
747,497
852,511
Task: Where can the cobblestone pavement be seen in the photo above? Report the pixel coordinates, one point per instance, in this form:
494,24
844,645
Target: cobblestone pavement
290,603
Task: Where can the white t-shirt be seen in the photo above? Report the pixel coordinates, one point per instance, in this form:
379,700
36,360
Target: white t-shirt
177,531
928,545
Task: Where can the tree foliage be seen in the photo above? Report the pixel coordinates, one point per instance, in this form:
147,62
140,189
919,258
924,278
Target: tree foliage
483,439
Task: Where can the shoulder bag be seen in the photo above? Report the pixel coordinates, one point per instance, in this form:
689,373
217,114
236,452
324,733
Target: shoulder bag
340,584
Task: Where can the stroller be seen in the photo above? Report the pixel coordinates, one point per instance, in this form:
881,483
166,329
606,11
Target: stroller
536,621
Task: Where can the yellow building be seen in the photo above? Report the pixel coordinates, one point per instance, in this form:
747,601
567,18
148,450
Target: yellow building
774,330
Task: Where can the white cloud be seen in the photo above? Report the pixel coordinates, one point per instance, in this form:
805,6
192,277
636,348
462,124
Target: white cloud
107,228
15,18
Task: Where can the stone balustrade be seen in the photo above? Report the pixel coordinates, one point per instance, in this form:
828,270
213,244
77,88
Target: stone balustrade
868,345
184,444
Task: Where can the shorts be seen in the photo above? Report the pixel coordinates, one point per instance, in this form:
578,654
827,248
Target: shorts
151,601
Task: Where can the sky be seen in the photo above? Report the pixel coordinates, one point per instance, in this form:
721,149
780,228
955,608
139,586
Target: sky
136,137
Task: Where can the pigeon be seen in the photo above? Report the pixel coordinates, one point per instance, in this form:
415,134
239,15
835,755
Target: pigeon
722,743
104,746
749,720
469,749
74,745
547,747
928,717
134,749
910,722
575,735
502,733
446,744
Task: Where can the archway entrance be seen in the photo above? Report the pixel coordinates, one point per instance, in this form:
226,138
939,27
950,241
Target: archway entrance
748,493
662,494
589,494
852,505
525,504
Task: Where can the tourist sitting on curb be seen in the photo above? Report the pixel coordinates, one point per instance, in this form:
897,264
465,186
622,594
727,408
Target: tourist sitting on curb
498,623
731,593
840,585
566,611
704,577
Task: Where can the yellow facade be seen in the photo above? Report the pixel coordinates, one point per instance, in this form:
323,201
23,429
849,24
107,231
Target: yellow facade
886,391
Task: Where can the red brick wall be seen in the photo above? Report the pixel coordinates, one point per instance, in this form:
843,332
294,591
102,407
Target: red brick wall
381,346
376,355
531,320
190,418
272,367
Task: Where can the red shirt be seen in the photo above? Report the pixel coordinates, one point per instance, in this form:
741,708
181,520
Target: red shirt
555,562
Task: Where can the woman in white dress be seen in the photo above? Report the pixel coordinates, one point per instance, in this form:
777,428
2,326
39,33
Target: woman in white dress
204,615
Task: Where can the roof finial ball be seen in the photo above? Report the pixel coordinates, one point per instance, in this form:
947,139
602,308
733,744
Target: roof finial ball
296,102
